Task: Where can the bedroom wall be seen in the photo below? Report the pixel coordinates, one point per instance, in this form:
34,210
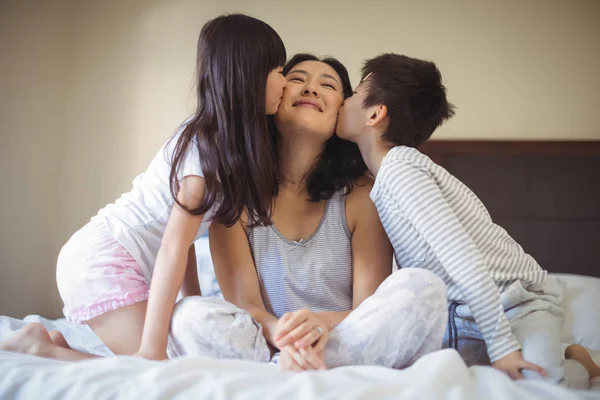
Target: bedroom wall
34,59
516,70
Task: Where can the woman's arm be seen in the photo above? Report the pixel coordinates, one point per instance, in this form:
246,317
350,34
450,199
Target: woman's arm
170,268
236,274
331,319
371,249
371,265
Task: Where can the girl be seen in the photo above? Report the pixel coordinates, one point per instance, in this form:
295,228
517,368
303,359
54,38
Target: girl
217,164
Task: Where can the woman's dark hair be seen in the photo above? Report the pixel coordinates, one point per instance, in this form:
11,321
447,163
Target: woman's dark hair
340,163
229,127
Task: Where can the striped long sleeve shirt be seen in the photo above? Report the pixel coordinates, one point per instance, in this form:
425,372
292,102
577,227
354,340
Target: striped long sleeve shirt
435,222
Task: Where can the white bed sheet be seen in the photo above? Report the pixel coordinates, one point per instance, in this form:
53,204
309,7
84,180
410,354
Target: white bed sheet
441,375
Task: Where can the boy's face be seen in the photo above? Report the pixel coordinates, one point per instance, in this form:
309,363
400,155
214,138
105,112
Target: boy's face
352,117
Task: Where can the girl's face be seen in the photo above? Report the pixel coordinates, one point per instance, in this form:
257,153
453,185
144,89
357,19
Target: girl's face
274,92
311,99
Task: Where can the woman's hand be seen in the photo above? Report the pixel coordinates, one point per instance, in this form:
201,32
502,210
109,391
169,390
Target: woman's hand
301,329
304,359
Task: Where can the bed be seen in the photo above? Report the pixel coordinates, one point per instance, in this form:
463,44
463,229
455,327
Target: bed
545,194
440,375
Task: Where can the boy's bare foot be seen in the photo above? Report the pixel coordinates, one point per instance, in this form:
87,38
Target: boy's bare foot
580,353
32,339
59,339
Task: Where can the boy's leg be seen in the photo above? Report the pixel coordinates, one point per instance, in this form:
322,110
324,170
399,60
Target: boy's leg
470,343
537,325
212,327
402,321
539,334
581,354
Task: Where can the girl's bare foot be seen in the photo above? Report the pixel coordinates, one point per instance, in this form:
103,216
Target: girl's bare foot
59,339
580,353
32,339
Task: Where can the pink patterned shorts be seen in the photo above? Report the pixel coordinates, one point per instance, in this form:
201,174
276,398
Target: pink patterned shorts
95,274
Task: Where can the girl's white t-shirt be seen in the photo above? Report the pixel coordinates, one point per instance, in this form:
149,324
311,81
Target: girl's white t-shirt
138,219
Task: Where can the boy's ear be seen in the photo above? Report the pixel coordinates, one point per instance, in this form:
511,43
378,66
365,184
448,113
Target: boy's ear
378,114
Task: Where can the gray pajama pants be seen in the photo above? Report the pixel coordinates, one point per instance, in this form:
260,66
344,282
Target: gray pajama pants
402,321
536,318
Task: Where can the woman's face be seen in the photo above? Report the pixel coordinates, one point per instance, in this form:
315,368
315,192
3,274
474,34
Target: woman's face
311,100
274,92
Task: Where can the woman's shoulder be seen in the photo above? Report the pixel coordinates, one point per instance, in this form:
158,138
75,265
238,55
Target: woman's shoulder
361,188
358,201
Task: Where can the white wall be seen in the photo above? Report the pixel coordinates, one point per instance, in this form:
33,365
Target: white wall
34,58
123,68
515,69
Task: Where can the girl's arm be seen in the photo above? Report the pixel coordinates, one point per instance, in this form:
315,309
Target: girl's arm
170,268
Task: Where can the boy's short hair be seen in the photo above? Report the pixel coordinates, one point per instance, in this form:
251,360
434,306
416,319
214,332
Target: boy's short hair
413,93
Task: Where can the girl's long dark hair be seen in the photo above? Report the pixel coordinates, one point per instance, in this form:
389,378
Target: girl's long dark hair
340,163
229,128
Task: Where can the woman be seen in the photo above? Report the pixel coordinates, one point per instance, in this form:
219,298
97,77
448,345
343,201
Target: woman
302,284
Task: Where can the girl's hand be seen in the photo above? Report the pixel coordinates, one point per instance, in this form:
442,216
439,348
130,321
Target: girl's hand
150,354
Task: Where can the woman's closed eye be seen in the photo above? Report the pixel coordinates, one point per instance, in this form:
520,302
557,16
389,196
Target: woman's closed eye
329,83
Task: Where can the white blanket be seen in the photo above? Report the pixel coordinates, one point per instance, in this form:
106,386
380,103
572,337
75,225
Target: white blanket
441,375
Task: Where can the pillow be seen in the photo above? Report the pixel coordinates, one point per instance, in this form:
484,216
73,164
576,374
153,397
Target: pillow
581,303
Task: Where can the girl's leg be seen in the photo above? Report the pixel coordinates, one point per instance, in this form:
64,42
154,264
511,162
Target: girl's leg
34,339
59,339
120,330
402,321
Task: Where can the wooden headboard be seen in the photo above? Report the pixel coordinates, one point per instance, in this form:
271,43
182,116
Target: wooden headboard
545,194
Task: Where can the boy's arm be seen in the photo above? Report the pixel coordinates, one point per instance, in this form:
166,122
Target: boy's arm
415,194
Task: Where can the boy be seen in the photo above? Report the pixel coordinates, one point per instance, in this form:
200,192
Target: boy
498,294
